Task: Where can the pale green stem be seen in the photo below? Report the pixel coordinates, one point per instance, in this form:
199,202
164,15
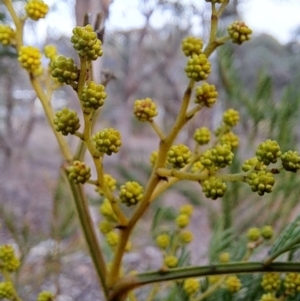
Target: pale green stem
211,289
17,21
64,147
164,172
157,130
130,282
151,185
90,236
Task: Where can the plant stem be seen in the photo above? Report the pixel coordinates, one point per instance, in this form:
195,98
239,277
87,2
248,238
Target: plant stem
130,282
17,21
151,185
182,175
211,289
88,231
157,130
64,147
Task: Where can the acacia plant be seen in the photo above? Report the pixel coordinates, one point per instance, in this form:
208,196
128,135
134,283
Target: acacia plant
232,273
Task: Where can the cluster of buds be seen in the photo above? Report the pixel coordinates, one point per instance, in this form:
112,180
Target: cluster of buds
254,233
131,193
191,286
206,94
145,109
233,284
239,32
7,290
107,141
271,282
66,121
93,96
170,241
36,9
8,258
179,156
86,43
50,52
30,59
79,172
45,296
198,67
292,283
191,45
7,35
65,71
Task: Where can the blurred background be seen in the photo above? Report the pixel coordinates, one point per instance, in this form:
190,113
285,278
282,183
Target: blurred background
142,56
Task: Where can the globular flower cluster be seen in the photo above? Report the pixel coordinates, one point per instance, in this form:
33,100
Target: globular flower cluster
66,121
224,257
291,161
251,163
7,35
186,236
202,135
268,152
239,32
191,286
198,67
79,172
191,45
153,158
292,283
213,187
179,156
65,70
233,284
261,181
108,141
145,109
231,117
268,297
271,282
6,290
131,193
50,52
109,181
206,94
105,226
171,261
8,258
197,166
182,220
30,59
163,240
267,232
220,156
45,296
231,139
186,209
107,211
93,96
253,234
112,238
36,9
86,43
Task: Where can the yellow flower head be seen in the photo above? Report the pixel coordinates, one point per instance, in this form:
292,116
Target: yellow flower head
36,9
30,59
